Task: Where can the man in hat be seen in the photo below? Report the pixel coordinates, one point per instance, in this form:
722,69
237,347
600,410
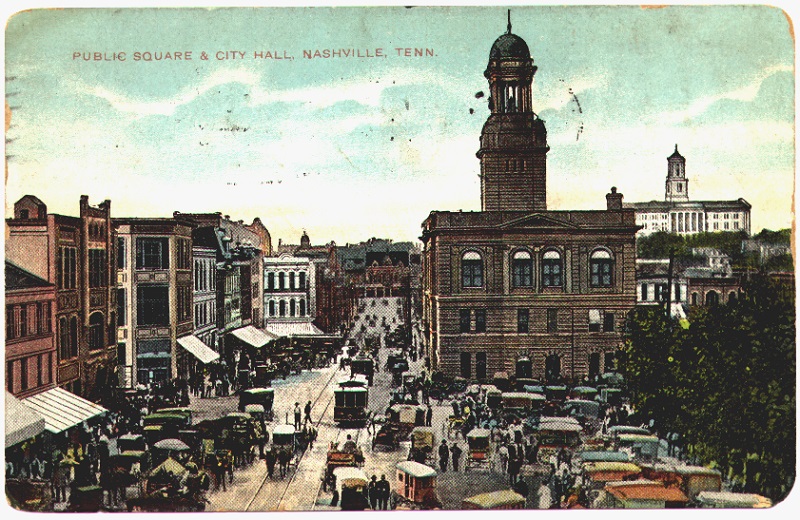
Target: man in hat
444,454
384,491
372,492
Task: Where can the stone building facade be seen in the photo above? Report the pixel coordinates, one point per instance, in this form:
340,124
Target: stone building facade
155,294
678,214
515,280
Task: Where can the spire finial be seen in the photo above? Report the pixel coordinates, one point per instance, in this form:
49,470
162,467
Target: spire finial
509,21
676,148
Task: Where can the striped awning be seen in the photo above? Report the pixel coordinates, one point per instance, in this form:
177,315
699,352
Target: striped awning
198,349
22,422
61,409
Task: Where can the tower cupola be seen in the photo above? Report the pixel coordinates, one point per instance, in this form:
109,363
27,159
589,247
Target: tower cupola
677,185
513,140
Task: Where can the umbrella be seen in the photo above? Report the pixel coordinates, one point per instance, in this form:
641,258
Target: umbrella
613,377
171,444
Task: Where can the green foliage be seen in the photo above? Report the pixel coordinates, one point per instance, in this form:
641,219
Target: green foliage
779,263
727,383
782,236
659,244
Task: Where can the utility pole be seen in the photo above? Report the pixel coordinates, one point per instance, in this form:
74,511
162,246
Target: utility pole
669,282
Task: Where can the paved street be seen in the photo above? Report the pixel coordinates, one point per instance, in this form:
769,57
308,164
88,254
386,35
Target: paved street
301,490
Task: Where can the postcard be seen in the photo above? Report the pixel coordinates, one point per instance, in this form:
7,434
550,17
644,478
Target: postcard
399,258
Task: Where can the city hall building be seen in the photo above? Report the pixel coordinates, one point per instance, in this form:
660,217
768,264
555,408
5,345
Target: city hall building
514,281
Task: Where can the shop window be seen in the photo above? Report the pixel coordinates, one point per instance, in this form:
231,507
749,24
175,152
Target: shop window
152,253
152,305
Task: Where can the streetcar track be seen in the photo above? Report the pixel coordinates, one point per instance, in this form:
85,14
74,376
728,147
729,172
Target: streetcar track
300,458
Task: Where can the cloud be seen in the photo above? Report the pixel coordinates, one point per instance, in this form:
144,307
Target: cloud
745,93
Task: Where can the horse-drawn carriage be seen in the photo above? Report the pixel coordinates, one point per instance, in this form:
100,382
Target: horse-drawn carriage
415,486
284,443
340,458
400,420
480,448
422,443
167,490
261,396
363,365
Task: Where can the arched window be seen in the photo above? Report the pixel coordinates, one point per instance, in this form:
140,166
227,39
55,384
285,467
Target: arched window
271,281
552,269
601,269
282,308
694,298
712,298
96,331
471,269
291,307
291,281
272,307
281,281
522,269
732,297
302,307
302,280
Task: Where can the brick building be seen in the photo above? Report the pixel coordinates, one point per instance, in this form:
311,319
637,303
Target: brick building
76,254
31,358
516,281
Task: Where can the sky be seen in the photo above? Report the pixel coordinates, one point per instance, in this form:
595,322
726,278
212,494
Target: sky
350,148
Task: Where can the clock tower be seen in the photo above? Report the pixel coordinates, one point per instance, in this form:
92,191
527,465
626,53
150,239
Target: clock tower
513,150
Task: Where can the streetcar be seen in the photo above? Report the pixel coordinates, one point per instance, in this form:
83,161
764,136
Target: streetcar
350,401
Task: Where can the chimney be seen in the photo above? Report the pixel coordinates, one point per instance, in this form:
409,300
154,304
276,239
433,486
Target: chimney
614,200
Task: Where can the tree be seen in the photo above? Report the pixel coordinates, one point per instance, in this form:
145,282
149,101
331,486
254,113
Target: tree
727,383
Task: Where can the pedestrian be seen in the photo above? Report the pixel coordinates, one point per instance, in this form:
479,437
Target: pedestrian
297,416
444,454
307,411
513,469
372,492
544,496
429,416
502,455
455,455
218,469
384,491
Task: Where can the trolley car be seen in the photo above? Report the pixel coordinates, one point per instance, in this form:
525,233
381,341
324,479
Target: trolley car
351,398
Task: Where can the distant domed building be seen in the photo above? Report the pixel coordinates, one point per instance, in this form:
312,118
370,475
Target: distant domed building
678,214
516,288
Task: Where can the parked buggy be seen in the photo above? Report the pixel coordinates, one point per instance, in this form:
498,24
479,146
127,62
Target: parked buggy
422,443
480,451
263,396
415,486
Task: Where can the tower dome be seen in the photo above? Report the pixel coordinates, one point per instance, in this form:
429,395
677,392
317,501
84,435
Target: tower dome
509,46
